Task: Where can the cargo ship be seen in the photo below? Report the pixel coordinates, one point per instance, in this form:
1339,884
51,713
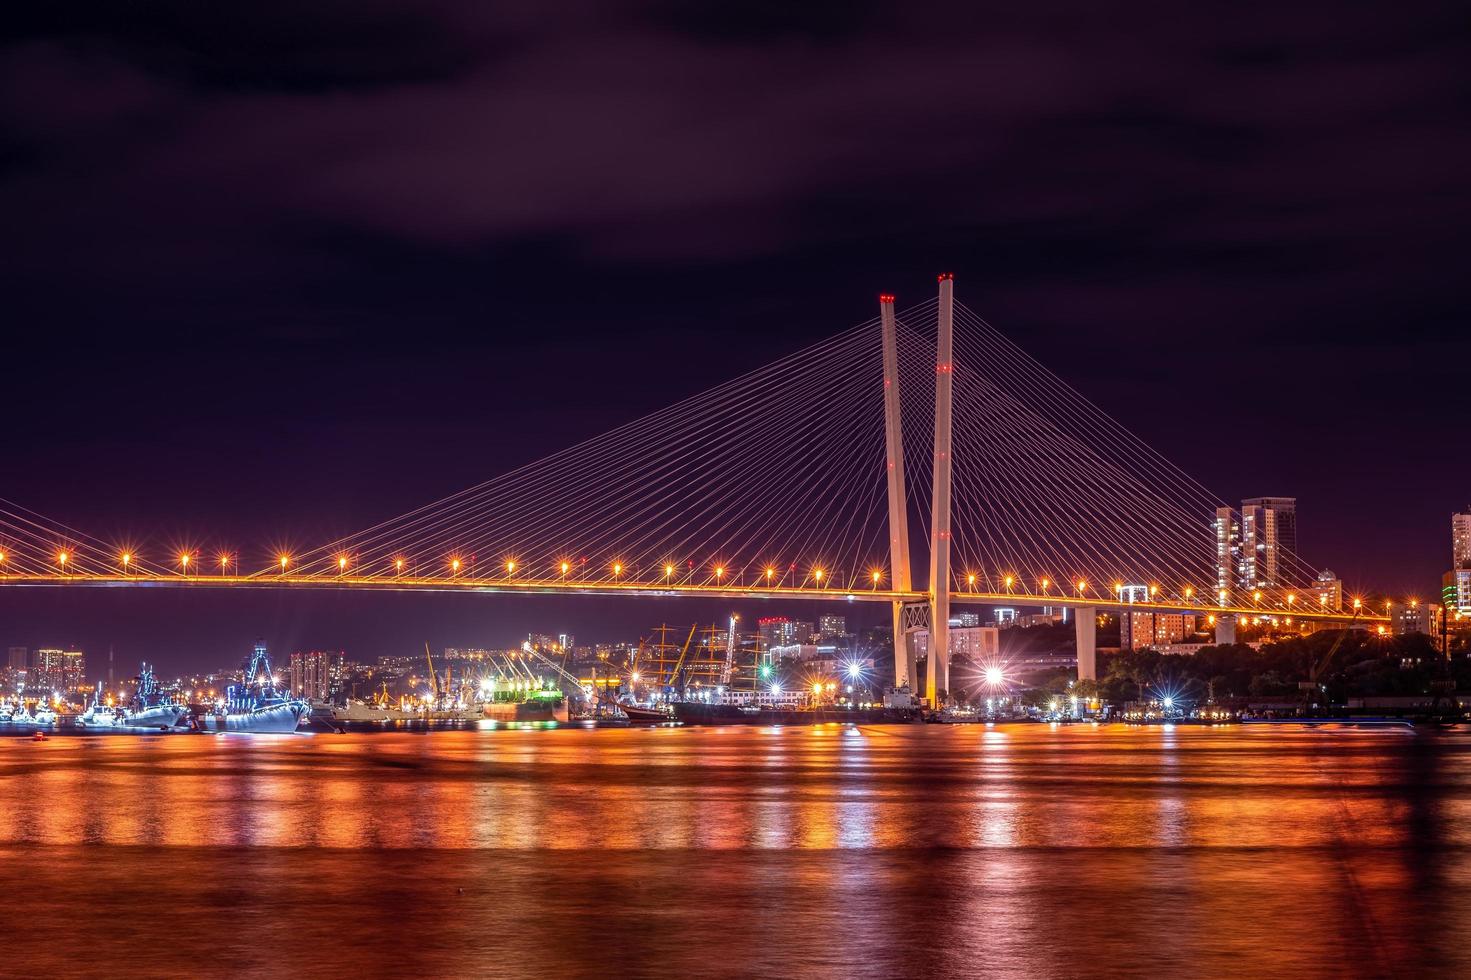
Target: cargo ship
705,713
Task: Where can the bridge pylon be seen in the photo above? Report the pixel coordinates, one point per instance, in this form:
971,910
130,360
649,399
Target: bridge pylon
900,577
937,680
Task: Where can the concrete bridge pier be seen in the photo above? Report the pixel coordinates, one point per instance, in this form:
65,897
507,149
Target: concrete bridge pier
1085,621
1225,630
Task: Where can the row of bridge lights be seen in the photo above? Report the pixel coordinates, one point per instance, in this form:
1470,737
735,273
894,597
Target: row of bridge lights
284,561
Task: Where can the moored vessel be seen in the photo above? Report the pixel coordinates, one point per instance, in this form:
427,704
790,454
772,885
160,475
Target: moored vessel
255,706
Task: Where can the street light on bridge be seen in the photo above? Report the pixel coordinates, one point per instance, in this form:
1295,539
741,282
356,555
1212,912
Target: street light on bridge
284,560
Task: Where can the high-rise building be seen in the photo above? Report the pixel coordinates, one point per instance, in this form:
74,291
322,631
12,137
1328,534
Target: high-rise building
779,631
1461,540
73,670
1456,591
1268,540
1229,566
18,659
1328,591
46,668
965,619
312,673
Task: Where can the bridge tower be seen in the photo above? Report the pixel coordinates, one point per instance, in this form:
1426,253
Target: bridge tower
937,681
900,577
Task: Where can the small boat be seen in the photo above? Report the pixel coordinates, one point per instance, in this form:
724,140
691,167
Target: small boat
99,715
44,716
648,713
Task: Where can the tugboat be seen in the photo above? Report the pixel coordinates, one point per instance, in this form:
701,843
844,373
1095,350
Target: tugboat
149,708
256,706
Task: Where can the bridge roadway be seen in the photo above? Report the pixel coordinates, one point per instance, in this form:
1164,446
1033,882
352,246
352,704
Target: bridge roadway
559,586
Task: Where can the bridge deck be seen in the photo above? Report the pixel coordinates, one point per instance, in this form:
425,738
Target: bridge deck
701,590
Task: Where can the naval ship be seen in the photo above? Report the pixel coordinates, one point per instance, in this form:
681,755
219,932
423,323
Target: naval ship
256,706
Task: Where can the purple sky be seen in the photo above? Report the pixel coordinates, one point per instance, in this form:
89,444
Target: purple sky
279,271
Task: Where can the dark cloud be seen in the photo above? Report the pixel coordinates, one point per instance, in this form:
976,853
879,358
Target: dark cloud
295,238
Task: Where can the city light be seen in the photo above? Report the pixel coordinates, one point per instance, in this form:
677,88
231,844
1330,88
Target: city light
668,570
184,561
127,560
61,558
511,567
818,575
398,564
617,569
995,676
454,565
341,563
285,560
855,670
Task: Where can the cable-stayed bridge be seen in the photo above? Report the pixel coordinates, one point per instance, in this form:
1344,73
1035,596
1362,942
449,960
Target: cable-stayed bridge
919,459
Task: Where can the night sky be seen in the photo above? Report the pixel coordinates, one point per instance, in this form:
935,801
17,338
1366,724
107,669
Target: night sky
277,272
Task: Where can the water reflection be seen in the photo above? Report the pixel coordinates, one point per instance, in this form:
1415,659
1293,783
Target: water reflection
828,851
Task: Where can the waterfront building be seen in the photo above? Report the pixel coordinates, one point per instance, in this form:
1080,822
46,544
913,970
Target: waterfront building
1268,539
965,619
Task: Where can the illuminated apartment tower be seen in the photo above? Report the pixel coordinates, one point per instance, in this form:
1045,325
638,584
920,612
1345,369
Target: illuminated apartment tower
1230,566
1268,538
1461,539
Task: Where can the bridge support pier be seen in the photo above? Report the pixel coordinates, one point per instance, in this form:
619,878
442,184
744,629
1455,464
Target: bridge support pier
937,680
1085,622
899,572
1225,630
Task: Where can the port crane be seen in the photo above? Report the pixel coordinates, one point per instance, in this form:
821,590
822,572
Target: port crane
1316,668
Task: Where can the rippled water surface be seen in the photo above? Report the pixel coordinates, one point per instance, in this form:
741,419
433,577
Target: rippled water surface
818,852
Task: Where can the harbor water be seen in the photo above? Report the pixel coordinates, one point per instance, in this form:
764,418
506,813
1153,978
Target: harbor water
825,851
